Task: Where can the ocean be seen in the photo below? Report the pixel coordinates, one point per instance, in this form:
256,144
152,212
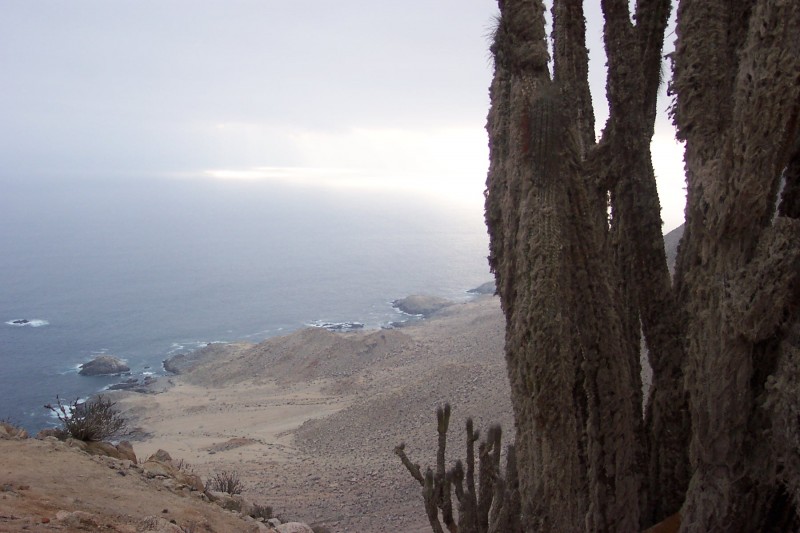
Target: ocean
146,268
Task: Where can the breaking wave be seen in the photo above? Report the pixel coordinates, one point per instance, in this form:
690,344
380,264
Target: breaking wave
31,322
337,326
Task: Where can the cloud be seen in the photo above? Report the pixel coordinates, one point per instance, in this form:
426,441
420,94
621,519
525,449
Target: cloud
450,163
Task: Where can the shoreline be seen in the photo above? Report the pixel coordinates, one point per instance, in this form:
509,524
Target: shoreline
415,308
309,420
35,419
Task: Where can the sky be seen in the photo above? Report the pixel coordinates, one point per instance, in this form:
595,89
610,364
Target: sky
349,94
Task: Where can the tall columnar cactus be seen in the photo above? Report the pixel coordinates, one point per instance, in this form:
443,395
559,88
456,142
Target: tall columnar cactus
578,256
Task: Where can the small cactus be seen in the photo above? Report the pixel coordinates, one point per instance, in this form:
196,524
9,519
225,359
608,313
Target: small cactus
491,506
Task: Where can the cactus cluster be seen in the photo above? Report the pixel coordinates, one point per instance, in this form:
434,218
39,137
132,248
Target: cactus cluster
490,506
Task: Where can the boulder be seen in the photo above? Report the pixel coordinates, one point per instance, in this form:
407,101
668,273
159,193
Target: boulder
161,464
122,451
161,456
125,450
104,365
153,469
421,305
102,448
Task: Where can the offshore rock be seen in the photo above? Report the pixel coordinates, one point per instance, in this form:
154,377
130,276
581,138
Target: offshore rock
104,365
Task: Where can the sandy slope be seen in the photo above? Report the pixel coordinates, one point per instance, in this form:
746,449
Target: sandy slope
43,480
310,420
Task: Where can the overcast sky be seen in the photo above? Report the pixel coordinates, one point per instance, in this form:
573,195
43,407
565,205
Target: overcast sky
352,93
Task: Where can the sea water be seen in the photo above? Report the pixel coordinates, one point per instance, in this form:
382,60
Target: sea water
146,268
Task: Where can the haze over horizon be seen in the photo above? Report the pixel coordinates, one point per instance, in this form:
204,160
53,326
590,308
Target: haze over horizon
353,95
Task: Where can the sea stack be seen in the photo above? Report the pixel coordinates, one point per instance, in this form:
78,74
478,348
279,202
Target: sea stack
104,365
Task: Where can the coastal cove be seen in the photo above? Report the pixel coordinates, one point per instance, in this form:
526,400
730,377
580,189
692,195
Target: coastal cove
309,420
113,269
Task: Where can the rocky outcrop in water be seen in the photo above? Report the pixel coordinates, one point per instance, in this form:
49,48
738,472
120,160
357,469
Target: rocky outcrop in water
104,365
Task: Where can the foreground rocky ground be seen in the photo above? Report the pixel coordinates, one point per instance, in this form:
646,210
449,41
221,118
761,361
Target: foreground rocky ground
50,485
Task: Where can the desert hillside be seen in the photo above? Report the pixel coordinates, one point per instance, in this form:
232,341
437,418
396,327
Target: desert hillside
310,420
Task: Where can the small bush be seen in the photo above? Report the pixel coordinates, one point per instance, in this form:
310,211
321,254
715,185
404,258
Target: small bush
93,421
182,466
261,511
225,482
12,428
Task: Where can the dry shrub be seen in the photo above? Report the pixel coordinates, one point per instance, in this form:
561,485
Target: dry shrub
225,482
261,511
183,466
92,421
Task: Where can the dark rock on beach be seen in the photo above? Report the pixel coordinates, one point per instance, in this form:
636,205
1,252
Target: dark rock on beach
421,305
104,365
127,384
134,384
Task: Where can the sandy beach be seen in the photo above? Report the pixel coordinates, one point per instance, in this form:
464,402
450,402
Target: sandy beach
310,420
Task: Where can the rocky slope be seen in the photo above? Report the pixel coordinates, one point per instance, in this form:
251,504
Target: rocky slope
50,485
